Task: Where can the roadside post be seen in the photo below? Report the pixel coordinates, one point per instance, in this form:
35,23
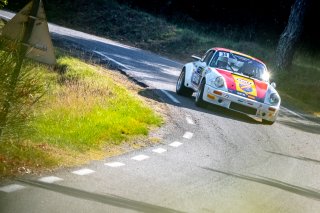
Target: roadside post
29,29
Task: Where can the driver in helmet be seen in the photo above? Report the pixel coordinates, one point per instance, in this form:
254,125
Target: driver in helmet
222,62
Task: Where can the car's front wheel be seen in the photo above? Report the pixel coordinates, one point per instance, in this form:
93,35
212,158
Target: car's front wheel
181,89
199,95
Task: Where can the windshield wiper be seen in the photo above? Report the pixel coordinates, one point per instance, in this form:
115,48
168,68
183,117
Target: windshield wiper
250,75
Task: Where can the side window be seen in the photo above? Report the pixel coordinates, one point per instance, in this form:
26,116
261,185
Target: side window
208,56
214,60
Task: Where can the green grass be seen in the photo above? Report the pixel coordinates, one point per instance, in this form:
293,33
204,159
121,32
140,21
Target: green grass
1,24
84,111
90,111
300,86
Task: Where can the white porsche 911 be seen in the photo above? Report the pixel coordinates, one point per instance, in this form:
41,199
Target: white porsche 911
232,80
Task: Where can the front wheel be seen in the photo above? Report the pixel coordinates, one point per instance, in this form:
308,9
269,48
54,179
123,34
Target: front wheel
181,89
199,95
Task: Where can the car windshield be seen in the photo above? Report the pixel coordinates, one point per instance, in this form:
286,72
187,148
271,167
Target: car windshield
240,64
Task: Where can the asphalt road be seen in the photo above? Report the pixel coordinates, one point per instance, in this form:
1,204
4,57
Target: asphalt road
210,160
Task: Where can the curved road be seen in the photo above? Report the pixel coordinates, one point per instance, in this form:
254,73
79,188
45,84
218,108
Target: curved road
210,160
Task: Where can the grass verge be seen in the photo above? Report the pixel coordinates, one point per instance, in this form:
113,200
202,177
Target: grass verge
300,86
84,115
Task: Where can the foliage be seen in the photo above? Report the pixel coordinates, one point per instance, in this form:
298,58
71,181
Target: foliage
3,3
22,97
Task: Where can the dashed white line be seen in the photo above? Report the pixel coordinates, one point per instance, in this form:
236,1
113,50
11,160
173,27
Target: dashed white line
11,188
83,172
172,98
50,179
140,157
189,120
114,164
175,144
188,135
159,150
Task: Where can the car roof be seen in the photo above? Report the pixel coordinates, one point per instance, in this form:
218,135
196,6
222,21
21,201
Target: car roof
239,53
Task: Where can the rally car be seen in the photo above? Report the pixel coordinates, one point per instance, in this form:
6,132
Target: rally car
232,80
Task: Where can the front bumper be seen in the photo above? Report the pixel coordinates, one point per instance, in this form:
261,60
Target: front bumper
240,104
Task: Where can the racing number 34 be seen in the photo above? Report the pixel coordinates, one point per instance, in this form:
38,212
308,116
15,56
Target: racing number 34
196,76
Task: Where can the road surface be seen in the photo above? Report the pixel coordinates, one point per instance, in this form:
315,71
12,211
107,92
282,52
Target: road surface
210,160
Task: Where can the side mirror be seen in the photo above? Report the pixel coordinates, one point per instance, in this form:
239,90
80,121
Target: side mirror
196,57
273,84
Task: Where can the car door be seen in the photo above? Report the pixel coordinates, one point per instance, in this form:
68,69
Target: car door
200,66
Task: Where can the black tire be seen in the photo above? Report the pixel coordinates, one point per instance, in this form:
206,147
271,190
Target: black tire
181,89
199,95
266,122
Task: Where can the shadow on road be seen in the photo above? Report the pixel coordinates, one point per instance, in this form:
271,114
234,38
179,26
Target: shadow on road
311,128
295,157
306,192
101,198
188,103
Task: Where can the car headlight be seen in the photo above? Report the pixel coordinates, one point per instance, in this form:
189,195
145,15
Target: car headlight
274,99
218,82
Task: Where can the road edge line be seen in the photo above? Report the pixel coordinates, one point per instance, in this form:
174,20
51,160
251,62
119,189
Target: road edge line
171,97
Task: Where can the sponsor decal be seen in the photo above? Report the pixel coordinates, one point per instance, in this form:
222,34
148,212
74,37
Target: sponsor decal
195,78
258,88
240,93
224,54
245,85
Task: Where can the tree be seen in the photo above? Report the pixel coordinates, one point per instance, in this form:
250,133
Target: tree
3,3
291,35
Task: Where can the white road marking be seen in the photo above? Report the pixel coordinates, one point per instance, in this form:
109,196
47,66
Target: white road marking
159,150
83,172
11,188
175,144
6,17
188,135
294,113
140,157
114,164
50,179
172,98
110,59
189,120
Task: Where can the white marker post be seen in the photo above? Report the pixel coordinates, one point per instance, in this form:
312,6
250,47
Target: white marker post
28,29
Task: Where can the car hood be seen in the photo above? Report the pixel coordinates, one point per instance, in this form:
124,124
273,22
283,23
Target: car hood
243,86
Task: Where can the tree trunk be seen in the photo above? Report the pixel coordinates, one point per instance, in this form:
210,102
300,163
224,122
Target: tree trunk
290,36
